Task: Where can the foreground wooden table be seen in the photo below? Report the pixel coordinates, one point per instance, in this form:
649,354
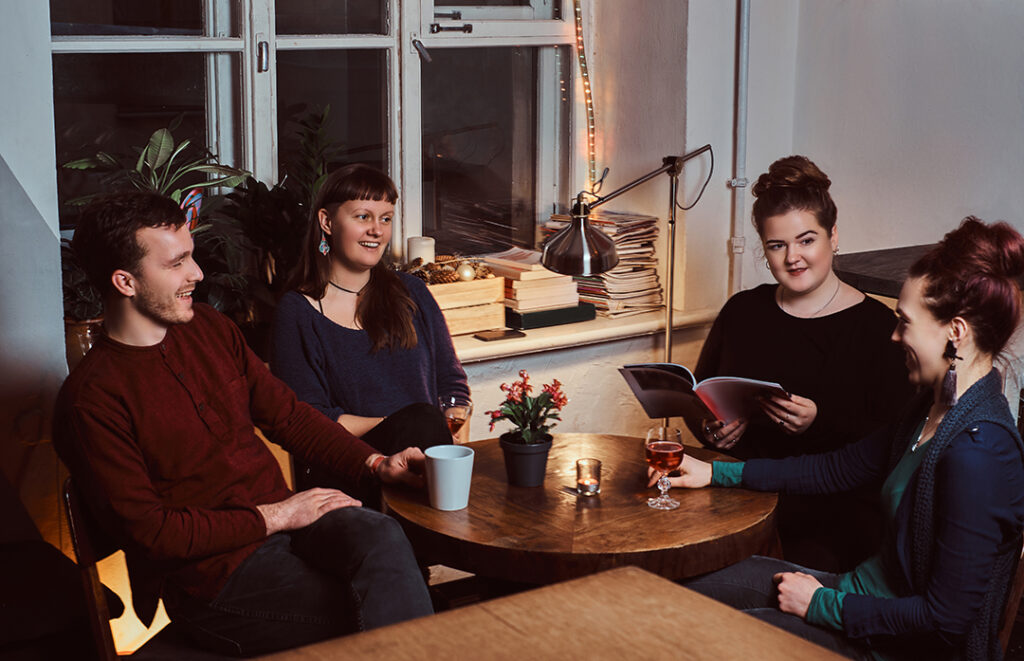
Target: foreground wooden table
624,613
547,534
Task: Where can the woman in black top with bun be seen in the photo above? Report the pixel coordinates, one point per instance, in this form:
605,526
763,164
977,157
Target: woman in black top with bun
827,344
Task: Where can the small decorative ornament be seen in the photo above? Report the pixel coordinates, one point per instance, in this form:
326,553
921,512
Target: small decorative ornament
466,271
191,205
324,247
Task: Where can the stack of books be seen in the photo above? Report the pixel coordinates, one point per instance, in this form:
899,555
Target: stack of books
535,296
632,287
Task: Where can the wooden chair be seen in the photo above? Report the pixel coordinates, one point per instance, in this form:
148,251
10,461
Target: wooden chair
1017,587
92,545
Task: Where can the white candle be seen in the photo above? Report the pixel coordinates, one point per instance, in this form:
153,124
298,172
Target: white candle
420,246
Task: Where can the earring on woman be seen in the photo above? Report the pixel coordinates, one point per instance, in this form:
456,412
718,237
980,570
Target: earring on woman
767,264
949,397
324,247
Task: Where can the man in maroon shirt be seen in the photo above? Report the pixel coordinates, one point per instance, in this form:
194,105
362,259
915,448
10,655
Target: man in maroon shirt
156,425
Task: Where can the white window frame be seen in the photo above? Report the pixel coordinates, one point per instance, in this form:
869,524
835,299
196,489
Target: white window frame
409,21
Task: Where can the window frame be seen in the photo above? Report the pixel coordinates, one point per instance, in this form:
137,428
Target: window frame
407,21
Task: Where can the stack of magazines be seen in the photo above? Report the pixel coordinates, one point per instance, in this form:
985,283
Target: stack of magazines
632,287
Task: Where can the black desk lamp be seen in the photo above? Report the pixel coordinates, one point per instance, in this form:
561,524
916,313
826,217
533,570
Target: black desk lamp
582,249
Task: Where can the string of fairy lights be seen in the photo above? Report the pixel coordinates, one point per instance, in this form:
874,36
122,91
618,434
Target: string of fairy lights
588,97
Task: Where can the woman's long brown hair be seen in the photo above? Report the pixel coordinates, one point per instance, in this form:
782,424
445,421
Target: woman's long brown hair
384,309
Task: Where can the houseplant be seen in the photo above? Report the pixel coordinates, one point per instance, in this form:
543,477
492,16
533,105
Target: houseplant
527,445
83,307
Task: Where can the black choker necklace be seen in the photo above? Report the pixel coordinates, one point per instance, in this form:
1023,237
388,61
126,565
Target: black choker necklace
350,291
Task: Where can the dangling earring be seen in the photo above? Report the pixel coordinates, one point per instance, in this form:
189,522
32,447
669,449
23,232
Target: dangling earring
767,264
324,247
949,397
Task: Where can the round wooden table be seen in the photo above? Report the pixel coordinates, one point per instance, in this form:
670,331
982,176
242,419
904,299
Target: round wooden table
548,533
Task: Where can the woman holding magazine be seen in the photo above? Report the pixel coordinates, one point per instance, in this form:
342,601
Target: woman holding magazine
953,469
365,345
826,343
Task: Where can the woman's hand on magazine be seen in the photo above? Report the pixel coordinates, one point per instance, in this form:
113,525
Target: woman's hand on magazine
724,436
793,415
693,474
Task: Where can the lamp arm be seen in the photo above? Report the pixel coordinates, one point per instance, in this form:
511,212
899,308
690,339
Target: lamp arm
673,165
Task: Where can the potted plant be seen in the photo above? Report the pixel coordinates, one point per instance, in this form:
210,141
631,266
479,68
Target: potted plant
83,307
526,446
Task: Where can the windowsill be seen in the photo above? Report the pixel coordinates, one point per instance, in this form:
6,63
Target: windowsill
471,350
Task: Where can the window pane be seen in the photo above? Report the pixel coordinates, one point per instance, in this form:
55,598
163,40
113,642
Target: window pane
349,85
483,137
331,17
132,17
114,102
501,9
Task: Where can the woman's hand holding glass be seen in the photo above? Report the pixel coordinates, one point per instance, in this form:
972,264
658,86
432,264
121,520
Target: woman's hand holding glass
721,435
794,415
693,474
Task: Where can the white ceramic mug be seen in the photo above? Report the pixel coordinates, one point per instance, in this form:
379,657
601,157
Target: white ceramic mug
449,473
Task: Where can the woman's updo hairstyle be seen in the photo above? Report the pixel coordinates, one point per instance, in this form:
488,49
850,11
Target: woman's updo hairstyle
793,183
972,273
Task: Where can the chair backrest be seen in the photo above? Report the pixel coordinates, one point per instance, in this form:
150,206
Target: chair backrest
1017,587
1012,603
91,546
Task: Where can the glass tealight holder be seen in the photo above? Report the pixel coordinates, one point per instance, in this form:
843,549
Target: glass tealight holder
588,477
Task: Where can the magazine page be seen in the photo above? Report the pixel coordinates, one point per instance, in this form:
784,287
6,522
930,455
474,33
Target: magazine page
665,391
731,397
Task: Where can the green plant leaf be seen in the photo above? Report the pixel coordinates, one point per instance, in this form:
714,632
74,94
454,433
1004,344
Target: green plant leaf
87,163
160,148
106,159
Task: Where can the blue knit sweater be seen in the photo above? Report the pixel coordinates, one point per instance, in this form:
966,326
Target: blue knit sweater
968,524
331,367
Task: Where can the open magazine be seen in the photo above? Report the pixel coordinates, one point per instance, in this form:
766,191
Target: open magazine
667,390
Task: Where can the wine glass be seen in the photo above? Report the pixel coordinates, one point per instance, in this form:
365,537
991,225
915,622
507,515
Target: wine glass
457,409
664,452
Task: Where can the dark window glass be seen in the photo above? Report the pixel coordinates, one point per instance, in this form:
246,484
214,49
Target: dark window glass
114,102
135,17
331,17
349,86
480,123
534,9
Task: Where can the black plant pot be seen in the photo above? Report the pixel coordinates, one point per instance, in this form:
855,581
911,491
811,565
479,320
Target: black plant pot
525,464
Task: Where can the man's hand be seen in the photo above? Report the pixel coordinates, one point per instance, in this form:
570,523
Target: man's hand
304,508
406,467
795,592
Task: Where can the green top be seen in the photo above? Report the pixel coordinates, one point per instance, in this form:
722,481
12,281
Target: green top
871,577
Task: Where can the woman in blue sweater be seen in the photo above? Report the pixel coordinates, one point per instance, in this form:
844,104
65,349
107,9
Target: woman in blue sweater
365,345
953,467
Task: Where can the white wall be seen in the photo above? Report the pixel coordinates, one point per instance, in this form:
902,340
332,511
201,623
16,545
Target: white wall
916,110
32,351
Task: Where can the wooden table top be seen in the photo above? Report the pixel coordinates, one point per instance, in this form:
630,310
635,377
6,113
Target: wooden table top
624,613
547,534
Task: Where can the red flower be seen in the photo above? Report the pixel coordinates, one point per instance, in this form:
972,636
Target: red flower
558,398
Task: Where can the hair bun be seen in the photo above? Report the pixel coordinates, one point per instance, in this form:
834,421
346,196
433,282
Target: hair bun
792,172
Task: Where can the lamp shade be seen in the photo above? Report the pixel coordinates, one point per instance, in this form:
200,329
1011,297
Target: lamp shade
580,248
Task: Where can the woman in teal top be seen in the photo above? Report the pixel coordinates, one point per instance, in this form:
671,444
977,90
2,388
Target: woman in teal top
953,466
